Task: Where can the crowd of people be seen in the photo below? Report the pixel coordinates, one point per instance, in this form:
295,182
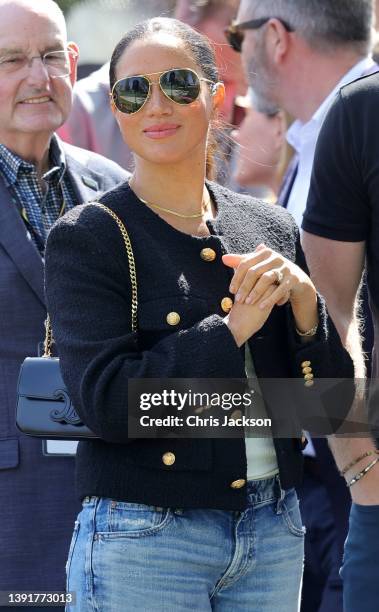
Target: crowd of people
228,138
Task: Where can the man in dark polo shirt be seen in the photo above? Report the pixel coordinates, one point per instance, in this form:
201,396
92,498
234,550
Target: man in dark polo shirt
341,237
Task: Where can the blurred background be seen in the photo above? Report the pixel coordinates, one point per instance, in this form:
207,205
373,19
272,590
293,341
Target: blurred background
97,25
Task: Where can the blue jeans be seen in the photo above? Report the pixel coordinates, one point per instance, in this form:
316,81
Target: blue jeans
360,569
129,556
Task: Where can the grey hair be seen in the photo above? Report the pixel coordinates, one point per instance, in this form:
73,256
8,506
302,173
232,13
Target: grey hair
324,24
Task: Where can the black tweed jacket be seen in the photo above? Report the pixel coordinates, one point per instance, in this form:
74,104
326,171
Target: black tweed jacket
89,296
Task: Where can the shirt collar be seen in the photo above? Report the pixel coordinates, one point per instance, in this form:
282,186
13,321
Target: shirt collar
57,161
298,131
11,165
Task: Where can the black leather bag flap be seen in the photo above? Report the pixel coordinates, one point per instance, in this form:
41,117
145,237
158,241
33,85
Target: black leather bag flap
40,377
44,408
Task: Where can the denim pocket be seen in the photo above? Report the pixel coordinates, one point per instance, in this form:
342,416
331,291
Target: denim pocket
291,514
132,520
71,550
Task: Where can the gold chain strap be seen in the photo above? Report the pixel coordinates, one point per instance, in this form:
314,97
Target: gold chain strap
133,279
48,338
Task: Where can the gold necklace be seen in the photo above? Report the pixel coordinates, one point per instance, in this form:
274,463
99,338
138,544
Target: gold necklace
204,208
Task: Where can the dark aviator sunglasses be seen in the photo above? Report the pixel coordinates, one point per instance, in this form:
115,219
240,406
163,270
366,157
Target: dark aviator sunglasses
235,31
180,85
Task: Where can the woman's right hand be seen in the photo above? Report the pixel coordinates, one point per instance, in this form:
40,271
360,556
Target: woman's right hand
244,320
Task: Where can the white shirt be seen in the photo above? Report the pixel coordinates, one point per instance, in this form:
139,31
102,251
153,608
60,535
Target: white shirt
303,137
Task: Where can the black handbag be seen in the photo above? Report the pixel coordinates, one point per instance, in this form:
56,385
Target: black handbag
44,408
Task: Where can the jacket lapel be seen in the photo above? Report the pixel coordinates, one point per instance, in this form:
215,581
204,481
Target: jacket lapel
13,238
87,184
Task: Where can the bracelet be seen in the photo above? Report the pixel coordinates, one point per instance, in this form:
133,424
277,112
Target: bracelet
309,332
362,473
357,460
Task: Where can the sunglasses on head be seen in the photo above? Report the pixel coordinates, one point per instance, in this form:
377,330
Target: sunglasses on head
180,85
235,32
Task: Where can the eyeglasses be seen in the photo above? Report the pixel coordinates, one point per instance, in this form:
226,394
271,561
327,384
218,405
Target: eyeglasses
235,32
180,85
56,63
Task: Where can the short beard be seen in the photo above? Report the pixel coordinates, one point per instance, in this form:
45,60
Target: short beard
262,105
260,83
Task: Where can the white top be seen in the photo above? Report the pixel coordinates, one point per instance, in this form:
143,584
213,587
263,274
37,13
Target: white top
303,137
260,452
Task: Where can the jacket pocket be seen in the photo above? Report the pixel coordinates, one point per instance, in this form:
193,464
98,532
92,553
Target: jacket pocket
171,313
173,455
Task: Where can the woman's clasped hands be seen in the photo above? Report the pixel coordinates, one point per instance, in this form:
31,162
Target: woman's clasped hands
264,279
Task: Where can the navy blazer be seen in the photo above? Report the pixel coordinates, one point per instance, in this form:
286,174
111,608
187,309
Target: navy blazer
89,300
38,507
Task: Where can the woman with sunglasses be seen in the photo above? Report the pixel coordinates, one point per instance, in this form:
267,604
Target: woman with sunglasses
172,524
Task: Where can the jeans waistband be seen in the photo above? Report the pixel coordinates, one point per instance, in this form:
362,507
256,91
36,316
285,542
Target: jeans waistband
258,491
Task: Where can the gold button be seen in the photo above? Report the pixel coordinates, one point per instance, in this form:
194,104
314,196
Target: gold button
236,414
309,383
168,458
305,364
307,370
238,484
208,254
308,376
226,304
173,318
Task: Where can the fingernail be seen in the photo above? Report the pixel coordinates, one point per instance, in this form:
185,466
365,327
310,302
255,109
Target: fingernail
239,297
262,305
248,300
232,289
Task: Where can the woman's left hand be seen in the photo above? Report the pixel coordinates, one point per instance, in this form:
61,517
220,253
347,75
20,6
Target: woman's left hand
255,272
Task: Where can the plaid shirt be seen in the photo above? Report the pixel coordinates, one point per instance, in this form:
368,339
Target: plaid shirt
39,208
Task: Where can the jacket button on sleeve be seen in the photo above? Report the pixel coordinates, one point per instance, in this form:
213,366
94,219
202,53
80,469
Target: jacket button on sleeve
208,254
173,318
168,458
238,484
307,373
308,378
226,304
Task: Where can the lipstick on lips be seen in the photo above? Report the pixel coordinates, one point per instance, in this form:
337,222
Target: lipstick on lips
161,130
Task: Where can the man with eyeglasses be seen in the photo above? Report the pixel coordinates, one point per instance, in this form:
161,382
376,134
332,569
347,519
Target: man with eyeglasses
297,55
40,179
